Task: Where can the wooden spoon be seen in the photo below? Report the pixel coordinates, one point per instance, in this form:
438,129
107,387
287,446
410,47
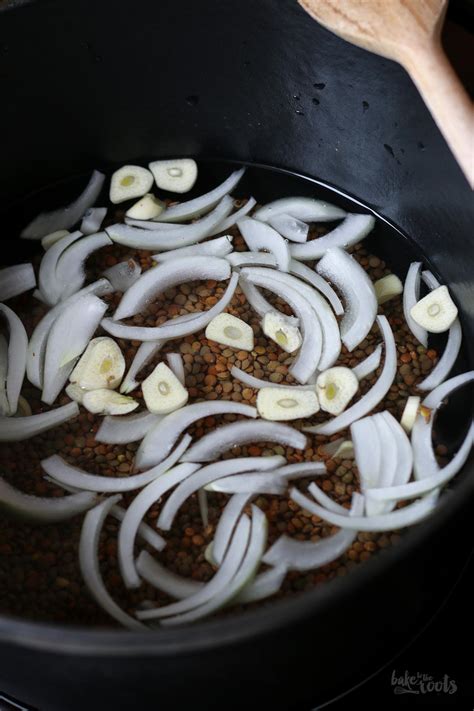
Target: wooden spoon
408,31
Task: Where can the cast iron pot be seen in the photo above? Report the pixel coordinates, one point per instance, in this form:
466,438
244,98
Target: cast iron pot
87,84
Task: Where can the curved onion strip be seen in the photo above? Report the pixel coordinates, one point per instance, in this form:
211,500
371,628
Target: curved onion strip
254,382
155,226
126,429
404,450
209,473
358,291
250,483
175,328
15,429
263,585
256,300
306,555
218,582
17,349
259,235
89,563
162,240
175,362
235,217
70,271
16,280
301,469
65,473
352,230
411,294
144,354
4,406
219,247
135,513
48,286
290,227
309,354
144,531
424,460
67,339
226,525
236,434
388,464
373,396
369,459
165,276
65,217
303,208
92,220
236,583
193,208
322,498
123,275
40,509
38,340
401,518
368,365
165,580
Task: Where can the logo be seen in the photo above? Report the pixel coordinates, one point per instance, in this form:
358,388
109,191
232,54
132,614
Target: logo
420,683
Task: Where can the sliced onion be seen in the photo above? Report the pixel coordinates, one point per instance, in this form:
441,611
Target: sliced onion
126,429
301,469
49,288
17,349
219,247
144,354
369,459
175,328
137,510
358,291
175,362
16,429
165,580
163,240
290,227
70,271
4,406
249,483
65,217
144,531
92,220
404,450
227,522
258,236
352,230
41,509
368,365
89,563
306,555
38,340
303,208
321,497
254,382
198,206
123,275
256,300
165,276
411,294
16,280
235,217
211,472
263,585
65,473
373,396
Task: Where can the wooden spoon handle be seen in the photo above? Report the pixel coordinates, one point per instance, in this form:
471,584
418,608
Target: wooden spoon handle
447,100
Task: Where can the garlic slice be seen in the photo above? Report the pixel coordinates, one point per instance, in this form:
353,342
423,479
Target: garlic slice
146,208
230,331
49,240
345,450
436,312
282,330
335,388
131,181
387,287
162,391
176,176
102,365
410,412
286,403
108,402
75,392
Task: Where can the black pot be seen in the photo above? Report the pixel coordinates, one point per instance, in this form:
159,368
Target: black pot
89,84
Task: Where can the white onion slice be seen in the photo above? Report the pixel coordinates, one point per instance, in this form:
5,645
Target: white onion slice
68,338
4,406
174,328
17,349
123,275
42,509
411,294
163,240
352,230
322,498
368,458
303,208
70,271
165,580
16,429
142,357
289,227
165,276
38,340
144,531
49,288
373,396
369,364
358,291
254,382
236,434
219,247
306,555
256,300
92,220
65,217
227,522
249,483
193,208
135,513
175,362
234,217
263,585
89,563
258,236
404,450
126,429
16,280
66,473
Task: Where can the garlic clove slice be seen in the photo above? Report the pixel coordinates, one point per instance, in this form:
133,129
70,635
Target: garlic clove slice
335,388
230,331
146,208
387,287
436,311
283,404
282,330
410,413
162,391
108,402
75,392
131,181
176,176
102,365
